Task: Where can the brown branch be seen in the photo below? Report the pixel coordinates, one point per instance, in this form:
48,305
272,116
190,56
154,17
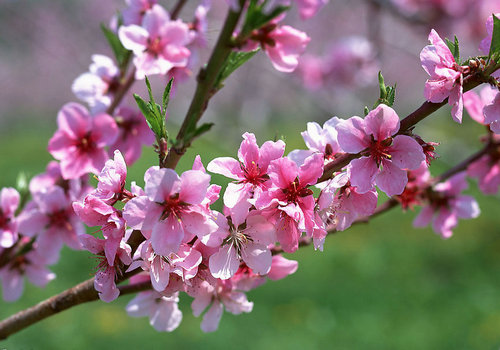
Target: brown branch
122,91
204,89
177,9
79,294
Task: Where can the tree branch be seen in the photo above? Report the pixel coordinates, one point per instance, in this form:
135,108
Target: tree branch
204,89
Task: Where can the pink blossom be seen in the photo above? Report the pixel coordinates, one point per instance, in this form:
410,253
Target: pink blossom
75,189
487,170
282,44
385,157
95,212
216,297
133,133
289,202
52,220
32,264
492,114
446,76
163,311
309,8
111,185
199,25
447,205
474,103
246,240
281,268
340,207
350,62
158,45
135,10
98,86
105,279
250,172
172,208
319,140
485,44
9,202
414,192
80,140
183,263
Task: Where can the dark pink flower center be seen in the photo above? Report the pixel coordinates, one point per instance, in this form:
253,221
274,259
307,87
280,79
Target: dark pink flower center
4,220
379,149
294,191
172,206
253,174
128,128
86,144
60,219
155,46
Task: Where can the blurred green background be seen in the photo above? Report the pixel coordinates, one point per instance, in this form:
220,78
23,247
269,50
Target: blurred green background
382,285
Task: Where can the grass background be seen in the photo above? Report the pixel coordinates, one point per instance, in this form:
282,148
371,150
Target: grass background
382,285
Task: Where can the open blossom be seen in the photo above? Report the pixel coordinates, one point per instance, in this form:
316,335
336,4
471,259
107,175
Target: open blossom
250,172
282,44
246,240
447,205
474,103
75,189
80,140
32,265
52,220
485,44
446,76
340,207
135,10
487,169
105,279
9,201
216,296
172,208
95,212
183,263
386,157
98,86
163,311
289,203
319,140
414,192
112,178
158,45
492,114
133,133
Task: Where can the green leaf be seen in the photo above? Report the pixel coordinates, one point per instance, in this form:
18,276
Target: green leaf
381,85
120,52
366,111
495,38
454,48
256,17
166,96
199,131
391,95
152,119
387,93
234,61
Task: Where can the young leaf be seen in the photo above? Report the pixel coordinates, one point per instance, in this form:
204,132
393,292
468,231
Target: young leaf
120,52
495,38
152,99
454,48
166,96
233,62
151,118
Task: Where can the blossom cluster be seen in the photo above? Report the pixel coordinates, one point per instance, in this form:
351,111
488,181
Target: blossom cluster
167,232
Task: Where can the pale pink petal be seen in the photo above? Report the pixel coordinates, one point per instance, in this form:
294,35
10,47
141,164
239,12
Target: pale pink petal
466,207
224,263
382,122
134,38
406,153
194,184
424,217
281,268
351,136
167,316
160,272
257,257
229,167
311,170
167,236
362,173
391,179
212,317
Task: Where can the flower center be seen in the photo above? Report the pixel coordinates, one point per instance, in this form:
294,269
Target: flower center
379,149
295,191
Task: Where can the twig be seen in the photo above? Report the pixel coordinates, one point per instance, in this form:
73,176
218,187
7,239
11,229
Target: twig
204,89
